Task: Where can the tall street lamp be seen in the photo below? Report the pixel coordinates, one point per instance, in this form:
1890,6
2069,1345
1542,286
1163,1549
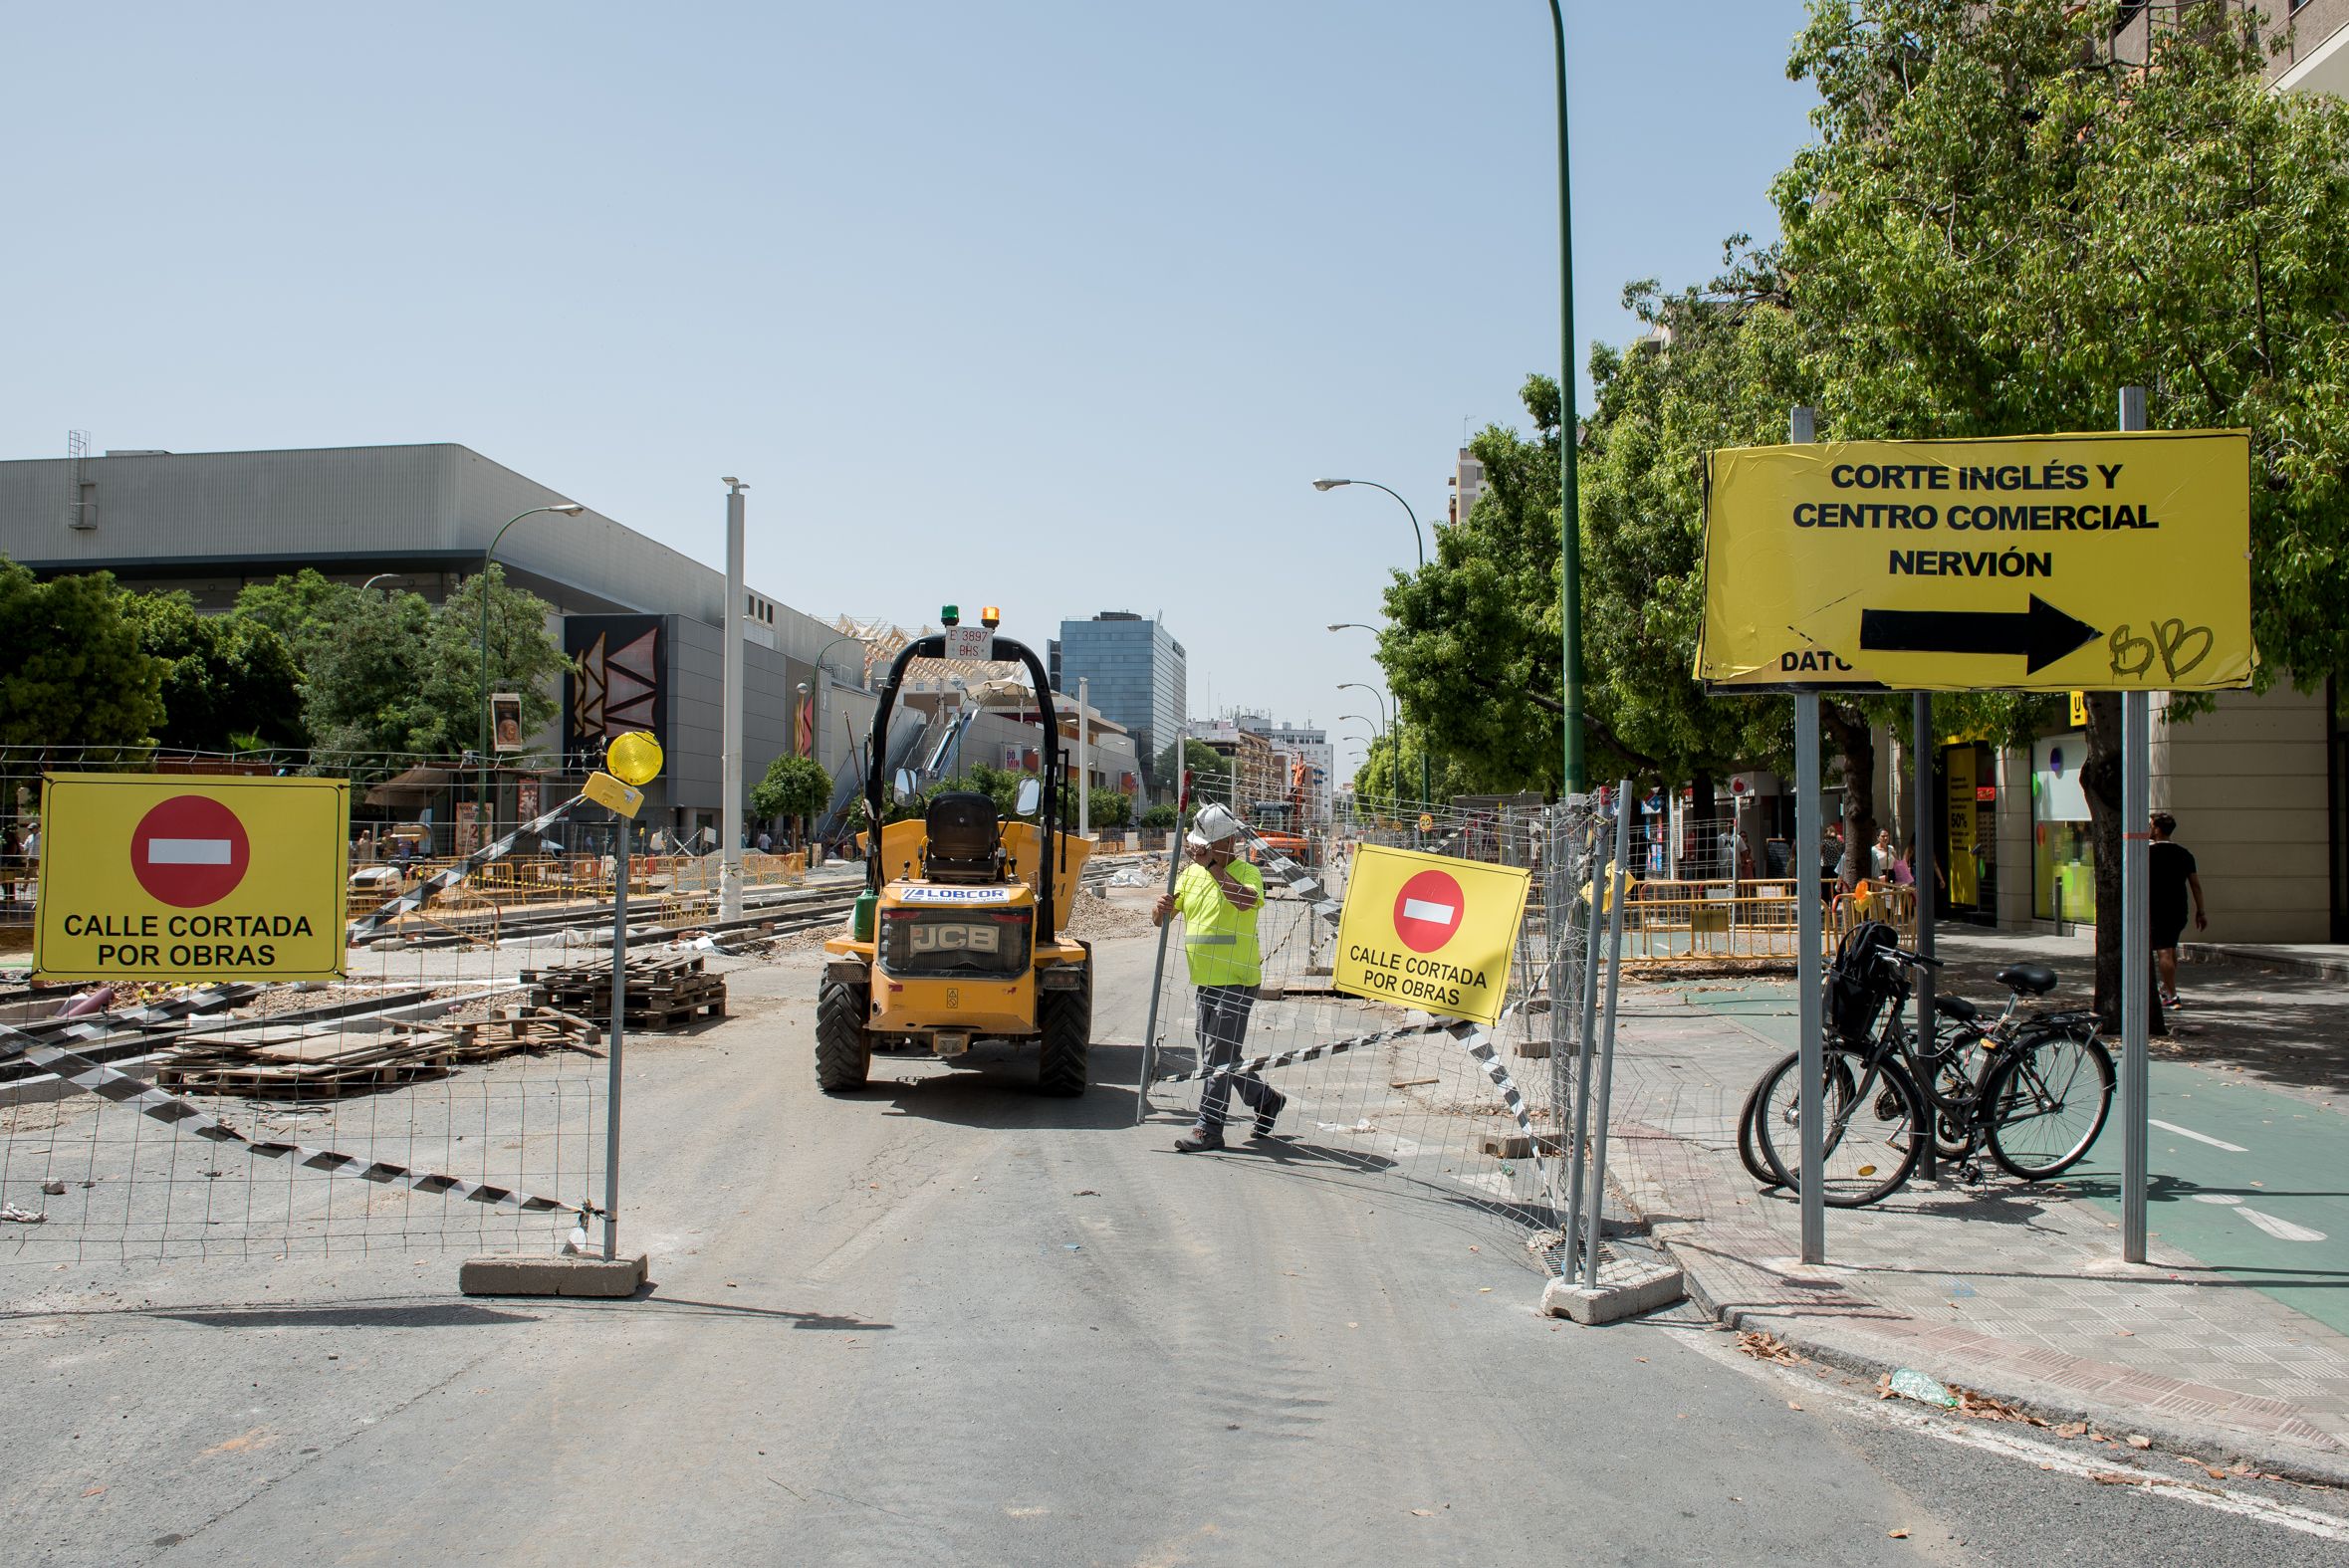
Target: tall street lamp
1377,697
1420,539
569,509
824,690
1569,512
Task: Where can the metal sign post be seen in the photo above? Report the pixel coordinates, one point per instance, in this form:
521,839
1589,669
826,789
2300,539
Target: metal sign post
1595,1196
1603,878
2135,955
1810,937
619,1029
1921,879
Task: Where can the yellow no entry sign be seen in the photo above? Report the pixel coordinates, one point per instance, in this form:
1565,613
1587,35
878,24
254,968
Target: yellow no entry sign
1429,931
152,876
2061,562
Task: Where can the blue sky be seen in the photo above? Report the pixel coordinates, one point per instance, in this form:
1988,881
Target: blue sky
1053,305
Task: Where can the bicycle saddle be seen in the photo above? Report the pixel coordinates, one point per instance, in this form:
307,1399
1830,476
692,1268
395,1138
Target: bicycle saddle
2031,980
1957,1007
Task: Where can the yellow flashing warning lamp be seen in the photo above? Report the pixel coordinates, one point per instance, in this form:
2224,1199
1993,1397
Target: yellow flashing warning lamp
991,617
634,757
950,615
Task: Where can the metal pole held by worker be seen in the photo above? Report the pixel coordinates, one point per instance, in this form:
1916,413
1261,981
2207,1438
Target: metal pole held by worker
1174,870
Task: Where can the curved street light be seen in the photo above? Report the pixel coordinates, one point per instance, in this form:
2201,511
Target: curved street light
380,576
569,509
1420,539
1379,698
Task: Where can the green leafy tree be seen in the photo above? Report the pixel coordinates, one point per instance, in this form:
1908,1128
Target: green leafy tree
306,609
1999,225
394,673
794,787
1159,818
1211,769
1109,810
1376,778
226,678
74,674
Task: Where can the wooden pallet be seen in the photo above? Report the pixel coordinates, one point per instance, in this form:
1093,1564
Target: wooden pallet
291,1063
662,993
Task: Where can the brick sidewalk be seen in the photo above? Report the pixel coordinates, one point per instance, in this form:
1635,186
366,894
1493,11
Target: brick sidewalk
2016,1290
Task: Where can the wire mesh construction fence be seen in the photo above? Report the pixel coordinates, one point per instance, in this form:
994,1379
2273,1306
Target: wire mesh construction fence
418,1104
1372,1091
449,1088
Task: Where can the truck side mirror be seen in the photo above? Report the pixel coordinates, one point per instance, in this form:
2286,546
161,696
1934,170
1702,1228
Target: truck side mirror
1029,794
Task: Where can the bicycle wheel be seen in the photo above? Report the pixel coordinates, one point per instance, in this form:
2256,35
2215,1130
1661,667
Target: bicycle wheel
2047,1102
1748,1151
1869,1140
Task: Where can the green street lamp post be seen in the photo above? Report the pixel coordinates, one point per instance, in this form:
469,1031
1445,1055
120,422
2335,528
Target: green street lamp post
570,509
1419,539
1569,512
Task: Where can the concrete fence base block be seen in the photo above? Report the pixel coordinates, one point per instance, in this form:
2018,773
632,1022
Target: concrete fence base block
1620,1294
527,1274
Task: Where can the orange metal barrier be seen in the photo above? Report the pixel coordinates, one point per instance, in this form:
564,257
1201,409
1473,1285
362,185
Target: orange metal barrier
1749,922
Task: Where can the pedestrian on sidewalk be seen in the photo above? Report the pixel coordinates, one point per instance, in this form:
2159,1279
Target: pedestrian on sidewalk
1883,858
2170,877
1219,897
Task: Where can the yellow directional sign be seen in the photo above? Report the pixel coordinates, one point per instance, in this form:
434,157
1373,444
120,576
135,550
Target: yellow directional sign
1429,931
156,876
2059,563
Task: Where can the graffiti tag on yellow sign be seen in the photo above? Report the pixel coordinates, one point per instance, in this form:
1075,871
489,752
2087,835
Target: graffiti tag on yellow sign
1429,931
2058,563
152,876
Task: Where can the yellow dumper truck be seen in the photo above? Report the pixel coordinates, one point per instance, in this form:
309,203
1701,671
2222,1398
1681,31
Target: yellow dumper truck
957,938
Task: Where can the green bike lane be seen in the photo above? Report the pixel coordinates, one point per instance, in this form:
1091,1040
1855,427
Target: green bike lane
2251,1182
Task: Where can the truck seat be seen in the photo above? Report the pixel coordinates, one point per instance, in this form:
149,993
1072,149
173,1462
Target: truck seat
965,839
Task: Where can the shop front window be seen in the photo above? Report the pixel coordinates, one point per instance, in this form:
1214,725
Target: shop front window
2063,853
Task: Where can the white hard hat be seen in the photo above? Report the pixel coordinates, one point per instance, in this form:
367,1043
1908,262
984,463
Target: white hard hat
1212,827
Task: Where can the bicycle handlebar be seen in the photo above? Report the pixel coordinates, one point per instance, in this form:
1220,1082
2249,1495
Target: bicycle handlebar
1913,960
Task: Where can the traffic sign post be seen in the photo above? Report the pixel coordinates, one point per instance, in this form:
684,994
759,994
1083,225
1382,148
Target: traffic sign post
163,877
2061,563
1429,931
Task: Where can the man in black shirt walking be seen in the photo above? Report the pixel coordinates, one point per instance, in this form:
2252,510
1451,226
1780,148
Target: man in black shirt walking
2170,876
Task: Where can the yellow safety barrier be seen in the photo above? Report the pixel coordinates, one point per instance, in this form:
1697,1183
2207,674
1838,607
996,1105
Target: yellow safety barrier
1746,922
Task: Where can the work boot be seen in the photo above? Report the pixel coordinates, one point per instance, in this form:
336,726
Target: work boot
1269,1111
1199,1140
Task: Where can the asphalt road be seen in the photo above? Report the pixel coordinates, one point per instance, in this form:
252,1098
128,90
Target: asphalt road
946,1321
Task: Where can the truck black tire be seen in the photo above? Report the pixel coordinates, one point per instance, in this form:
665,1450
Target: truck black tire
843,1050
1065,1018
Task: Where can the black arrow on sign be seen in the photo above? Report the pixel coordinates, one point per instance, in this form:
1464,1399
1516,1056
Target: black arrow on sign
2041,635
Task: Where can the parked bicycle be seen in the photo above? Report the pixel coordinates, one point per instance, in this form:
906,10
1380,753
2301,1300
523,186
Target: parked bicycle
2031,1087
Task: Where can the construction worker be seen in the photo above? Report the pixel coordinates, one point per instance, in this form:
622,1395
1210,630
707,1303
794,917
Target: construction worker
1219,896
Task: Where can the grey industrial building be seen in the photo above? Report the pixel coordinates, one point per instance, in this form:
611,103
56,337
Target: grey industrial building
642,622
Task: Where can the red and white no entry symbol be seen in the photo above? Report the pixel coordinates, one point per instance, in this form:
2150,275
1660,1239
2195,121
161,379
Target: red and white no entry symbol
1428,910
190,851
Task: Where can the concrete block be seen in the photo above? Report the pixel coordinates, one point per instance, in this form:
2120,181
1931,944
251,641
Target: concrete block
1516,1146
518,1274
1534,1049
1620,1293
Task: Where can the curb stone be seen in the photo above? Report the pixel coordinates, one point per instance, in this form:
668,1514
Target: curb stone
2217,1444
